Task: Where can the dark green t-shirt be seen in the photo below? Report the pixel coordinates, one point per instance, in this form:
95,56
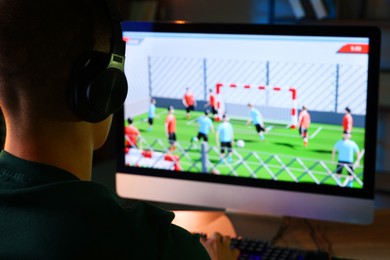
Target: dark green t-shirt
47,213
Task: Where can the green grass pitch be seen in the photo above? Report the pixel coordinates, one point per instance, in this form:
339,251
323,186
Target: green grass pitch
281,156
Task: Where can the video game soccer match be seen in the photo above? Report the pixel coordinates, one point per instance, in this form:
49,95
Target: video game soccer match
275,108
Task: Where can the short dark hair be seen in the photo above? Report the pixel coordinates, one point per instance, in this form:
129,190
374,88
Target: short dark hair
206,112
129,120
348,109
40,43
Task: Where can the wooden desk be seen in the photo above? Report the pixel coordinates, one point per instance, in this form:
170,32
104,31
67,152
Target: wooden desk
341,240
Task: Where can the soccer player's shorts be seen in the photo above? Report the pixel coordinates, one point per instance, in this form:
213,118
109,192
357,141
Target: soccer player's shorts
303,131
214,111
150,121
204,136
171,137
341,165
190,108
227,145
259,128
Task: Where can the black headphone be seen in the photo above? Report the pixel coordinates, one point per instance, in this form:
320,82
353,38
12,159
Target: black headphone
98,84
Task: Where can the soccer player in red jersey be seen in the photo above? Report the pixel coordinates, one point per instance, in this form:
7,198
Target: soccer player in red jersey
132,134
347,121
189,102
304,123
170,128
212,102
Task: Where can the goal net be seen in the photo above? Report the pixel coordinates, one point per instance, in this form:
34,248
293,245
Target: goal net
276,104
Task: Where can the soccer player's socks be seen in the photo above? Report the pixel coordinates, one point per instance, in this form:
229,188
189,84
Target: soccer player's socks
262,137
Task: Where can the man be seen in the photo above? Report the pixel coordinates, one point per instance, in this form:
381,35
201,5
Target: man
304,123
170,128
151,113
225,138
212,103
189,102
346,149
347,121
257,120
49,208
132,134
205,124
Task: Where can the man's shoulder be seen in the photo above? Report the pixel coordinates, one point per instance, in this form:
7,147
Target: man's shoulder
352,143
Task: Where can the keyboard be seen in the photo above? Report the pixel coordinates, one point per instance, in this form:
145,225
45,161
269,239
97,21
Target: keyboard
251,249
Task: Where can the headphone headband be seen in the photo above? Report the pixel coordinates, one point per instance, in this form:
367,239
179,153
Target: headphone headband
117,47
99,85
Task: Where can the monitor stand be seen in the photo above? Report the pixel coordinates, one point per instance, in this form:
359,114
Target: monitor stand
229,223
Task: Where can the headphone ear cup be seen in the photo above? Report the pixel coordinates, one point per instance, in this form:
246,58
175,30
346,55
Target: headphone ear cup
96,91
107,92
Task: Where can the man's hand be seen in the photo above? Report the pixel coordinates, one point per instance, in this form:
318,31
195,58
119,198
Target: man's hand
218,247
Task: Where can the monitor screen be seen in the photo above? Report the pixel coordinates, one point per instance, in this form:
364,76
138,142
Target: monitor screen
275,120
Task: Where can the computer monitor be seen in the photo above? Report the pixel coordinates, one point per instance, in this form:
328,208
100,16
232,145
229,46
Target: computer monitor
260,77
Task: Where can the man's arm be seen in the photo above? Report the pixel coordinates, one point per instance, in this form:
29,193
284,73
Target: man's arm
128,138
166,129
357,163
333,154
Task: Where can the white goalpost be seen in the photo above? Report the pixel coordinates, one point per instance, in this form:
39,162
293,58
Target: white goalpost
277,104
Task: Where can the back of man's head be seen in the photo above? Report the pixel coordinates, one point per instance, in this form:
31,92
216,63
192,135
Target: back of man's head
40,42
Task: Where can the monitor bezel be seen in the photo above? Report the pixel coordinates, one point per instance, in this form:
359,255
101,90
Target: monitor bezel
373,33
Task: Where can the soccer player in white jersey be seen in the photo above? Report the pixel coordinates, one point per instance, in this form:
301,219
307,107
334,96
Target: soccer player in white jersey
225,137
257,120
205,125
151,113
346,149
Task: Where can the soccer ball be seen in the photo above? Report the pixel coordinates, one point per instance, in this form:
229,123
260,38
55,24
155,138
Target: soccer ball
240,143
194,139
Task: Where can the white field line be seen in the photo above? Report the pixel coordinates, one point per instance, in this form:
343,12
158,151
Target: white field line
340,128
244,131
192,121
315,133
